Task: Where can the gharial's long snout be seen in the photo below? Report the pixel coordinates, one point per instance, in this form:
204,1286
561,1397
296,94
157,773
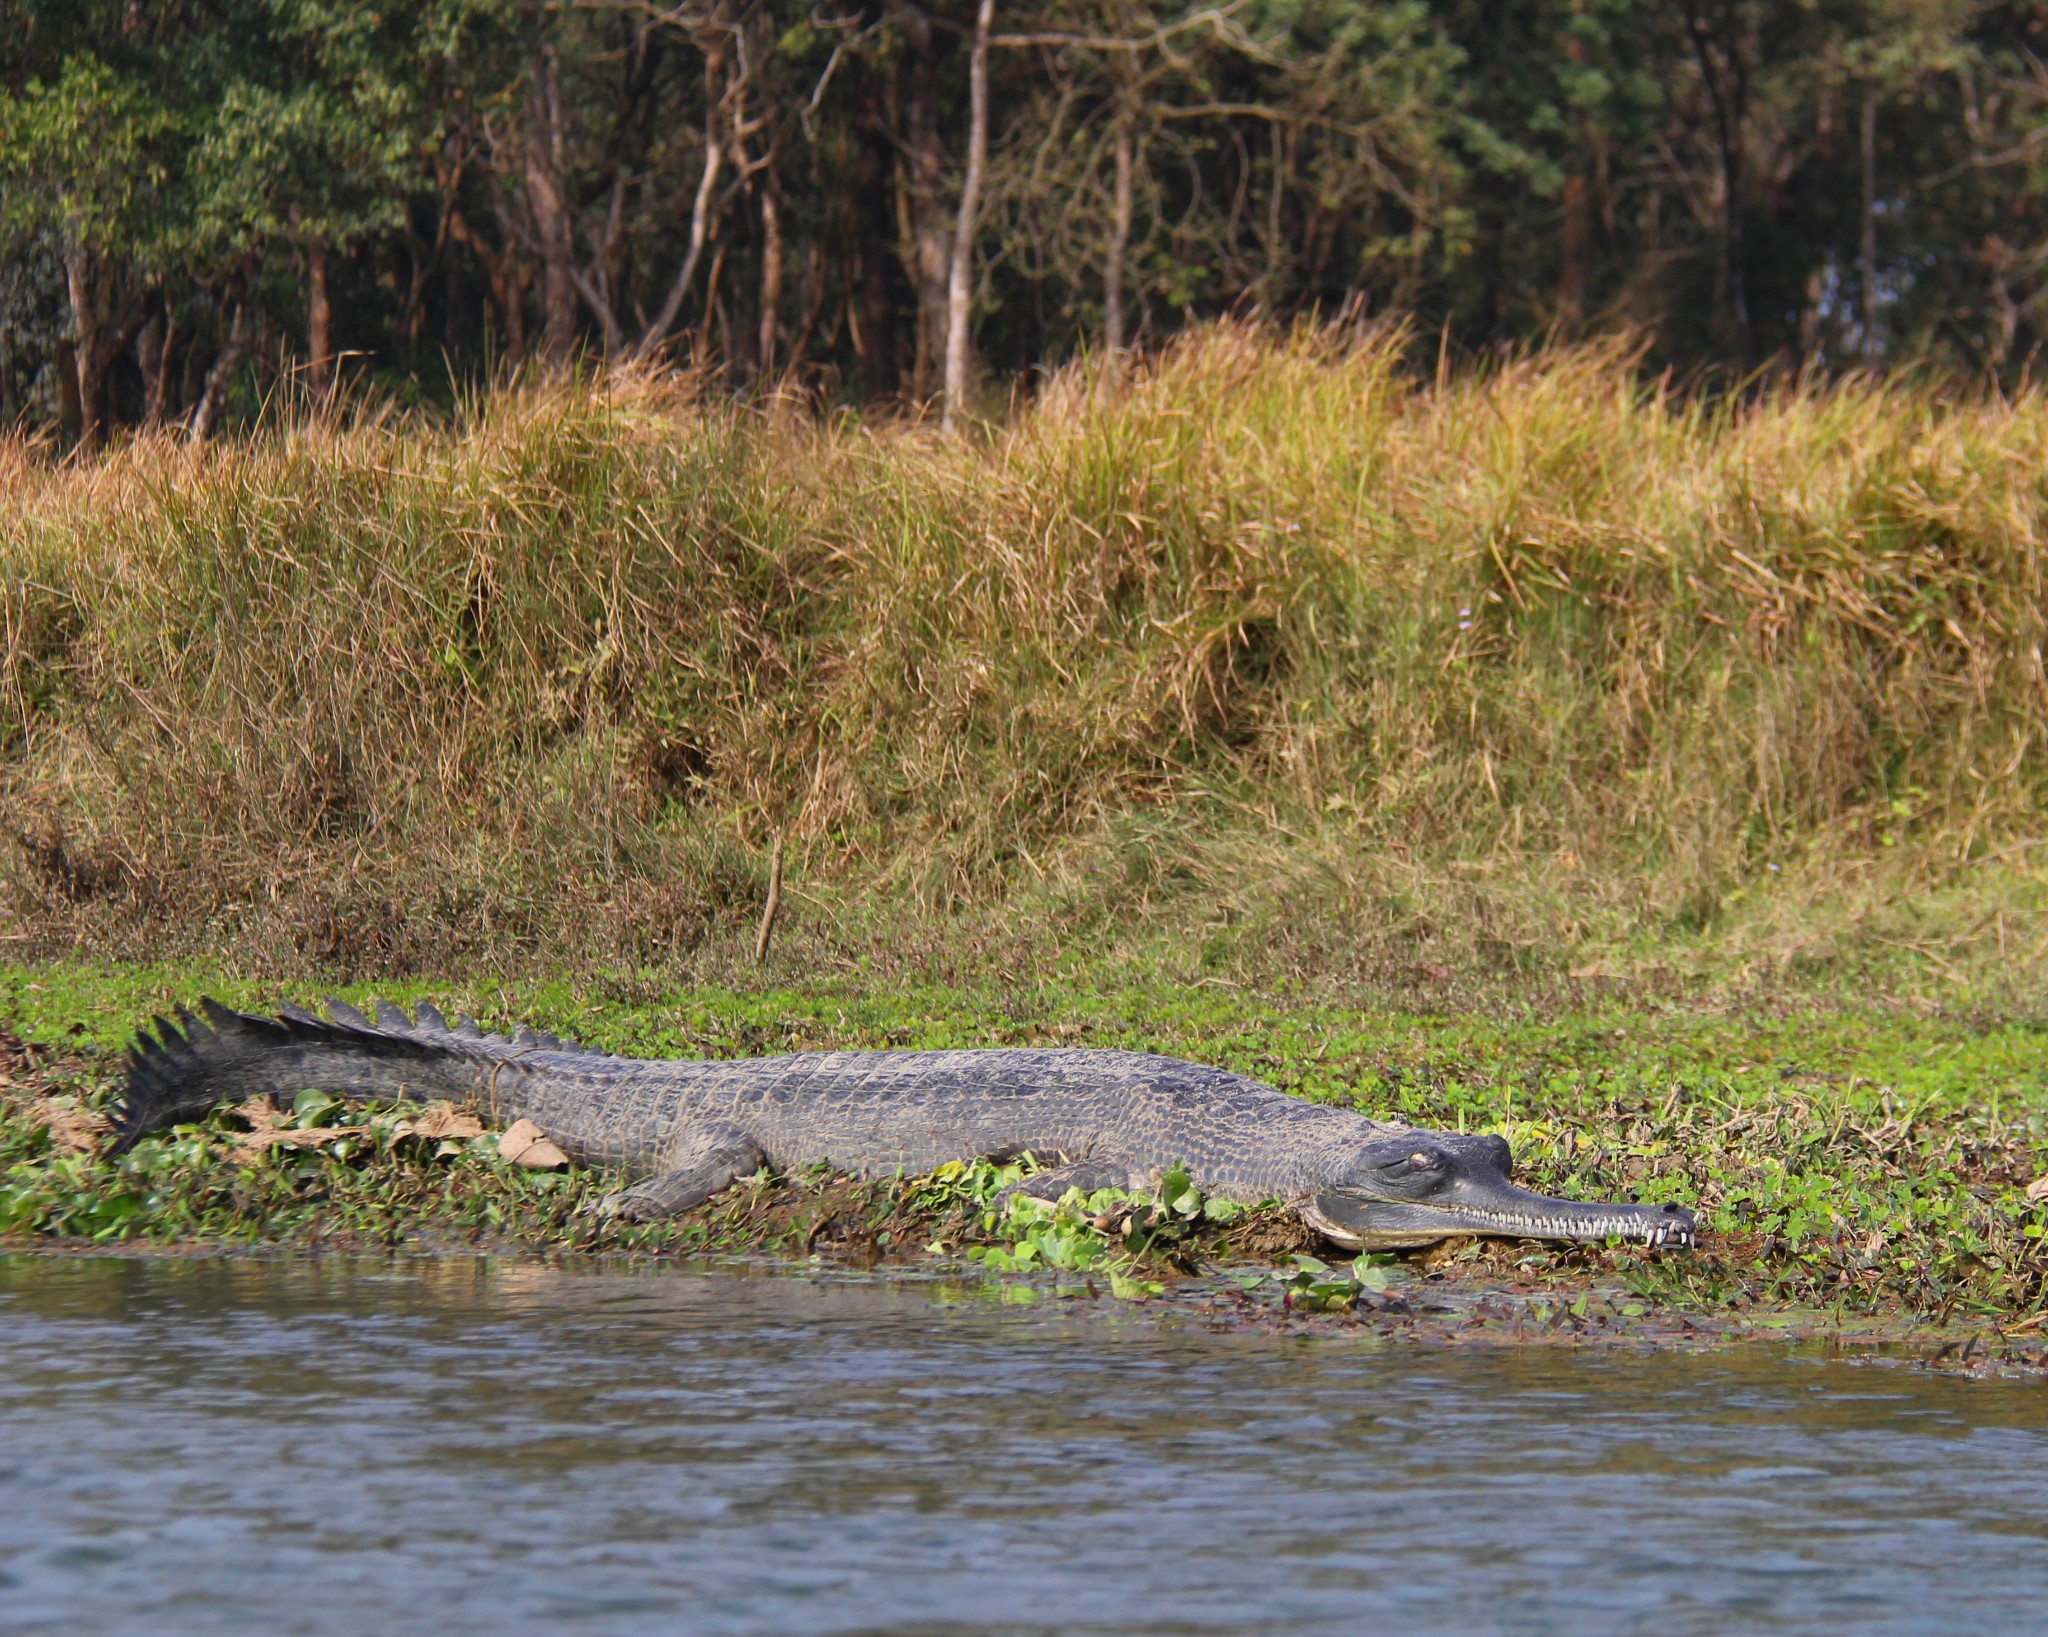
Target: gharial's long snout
1421,1189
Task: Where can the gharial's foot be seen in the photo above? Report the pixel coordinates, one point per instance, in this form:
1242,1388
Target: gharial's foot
650,1205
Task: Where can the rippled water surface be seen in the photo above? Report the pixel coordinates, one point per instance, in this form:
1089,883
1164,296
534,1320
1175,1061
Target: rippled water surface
477,1447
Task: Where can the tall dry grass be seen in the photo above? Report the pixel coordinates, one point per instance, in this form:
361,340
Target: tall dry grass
1277,646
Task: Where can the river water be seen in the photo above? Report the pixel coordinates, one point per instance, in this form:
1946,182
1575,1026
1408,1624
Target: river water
479,1447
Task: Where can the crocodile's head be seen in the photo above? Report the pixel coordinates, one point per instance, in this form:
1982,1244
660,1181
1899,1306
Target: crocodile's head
1421,1186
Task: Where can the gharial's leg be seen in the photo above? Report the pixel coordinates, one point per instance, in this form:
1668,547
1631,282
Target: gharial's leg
1086,1175
695,1164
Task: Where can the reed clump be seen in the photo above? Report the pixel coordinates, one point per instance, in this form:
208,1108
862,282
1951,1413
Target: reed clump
1276,651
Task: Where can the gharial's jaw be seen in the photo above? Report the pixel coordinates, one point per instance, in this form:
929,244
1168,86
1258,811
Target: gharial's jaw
1504,1211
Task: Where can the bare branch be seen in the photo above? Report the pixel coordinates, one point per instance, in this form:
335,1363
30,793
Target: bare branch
700,220
1216,18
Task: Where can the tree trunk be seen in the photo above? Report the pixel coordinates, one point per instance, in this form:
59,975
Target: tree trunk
191,376
319,321
812,284
558,279
1114,329
874,321
87,360
1812,308
502,269
923,221
164,403
156,343
149,360
700,210
1575,232
771,273
1573,239
1269,294
1727,84
1867,269
960,279
550,212
213,399
2000,261
714,314
69,415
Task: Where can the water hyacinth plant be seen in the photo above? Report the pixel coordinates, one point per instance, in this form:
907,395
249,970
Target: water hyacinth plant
1111,1229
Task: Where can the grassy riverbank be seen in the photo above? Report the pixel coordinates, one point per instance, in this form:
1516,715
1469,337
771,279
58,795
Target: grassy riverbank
1870,1163
1656,780
1285,659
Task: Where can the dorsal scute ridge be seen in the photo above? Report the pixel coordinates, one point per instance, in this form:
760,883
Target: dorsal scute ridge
229,1024
347,1016
169,1038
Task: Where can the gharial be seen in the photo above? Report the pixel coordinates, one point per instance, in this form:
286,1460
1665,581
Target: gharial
688,1128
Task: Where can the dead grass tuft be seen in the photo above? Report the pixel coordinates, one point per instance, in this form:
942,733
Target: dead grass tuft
1274,647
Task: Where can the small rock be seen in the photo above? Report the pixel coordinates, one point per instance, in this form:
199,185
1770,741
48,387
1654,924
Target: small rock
524,1143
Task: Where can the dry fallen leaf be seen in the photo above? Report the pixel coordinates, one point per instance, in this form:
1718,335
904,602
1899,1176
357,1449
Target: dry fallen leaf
312,1136
2038,1188
72,1130
443,1120
267,1129
524,1143
17,1056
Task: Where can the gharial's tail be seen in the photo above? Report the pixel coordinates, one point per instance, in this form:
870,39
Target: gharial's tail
192,1066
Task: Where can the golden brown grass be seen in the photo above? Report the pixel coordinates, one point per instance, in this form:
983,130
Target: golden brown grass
1274,651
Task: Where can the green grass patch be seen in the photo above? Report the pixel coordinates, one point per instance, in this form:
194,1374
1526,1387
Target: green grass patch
1867,1162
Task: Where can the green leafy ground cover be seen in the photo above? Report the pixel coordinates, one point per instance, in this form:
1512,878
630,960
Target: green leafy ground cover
1874,1165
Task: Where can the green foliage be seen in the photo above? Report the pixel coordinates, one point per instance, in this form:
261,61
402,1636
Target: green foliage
1315,1287
1874,1161
320,161
90,156
190,1183
486,179
1110,1231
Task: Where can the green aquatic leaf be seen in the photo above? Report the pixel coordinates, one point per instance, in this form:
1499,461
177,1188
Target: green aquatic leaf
19,1210
1369,1274
313,1108
108,1216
